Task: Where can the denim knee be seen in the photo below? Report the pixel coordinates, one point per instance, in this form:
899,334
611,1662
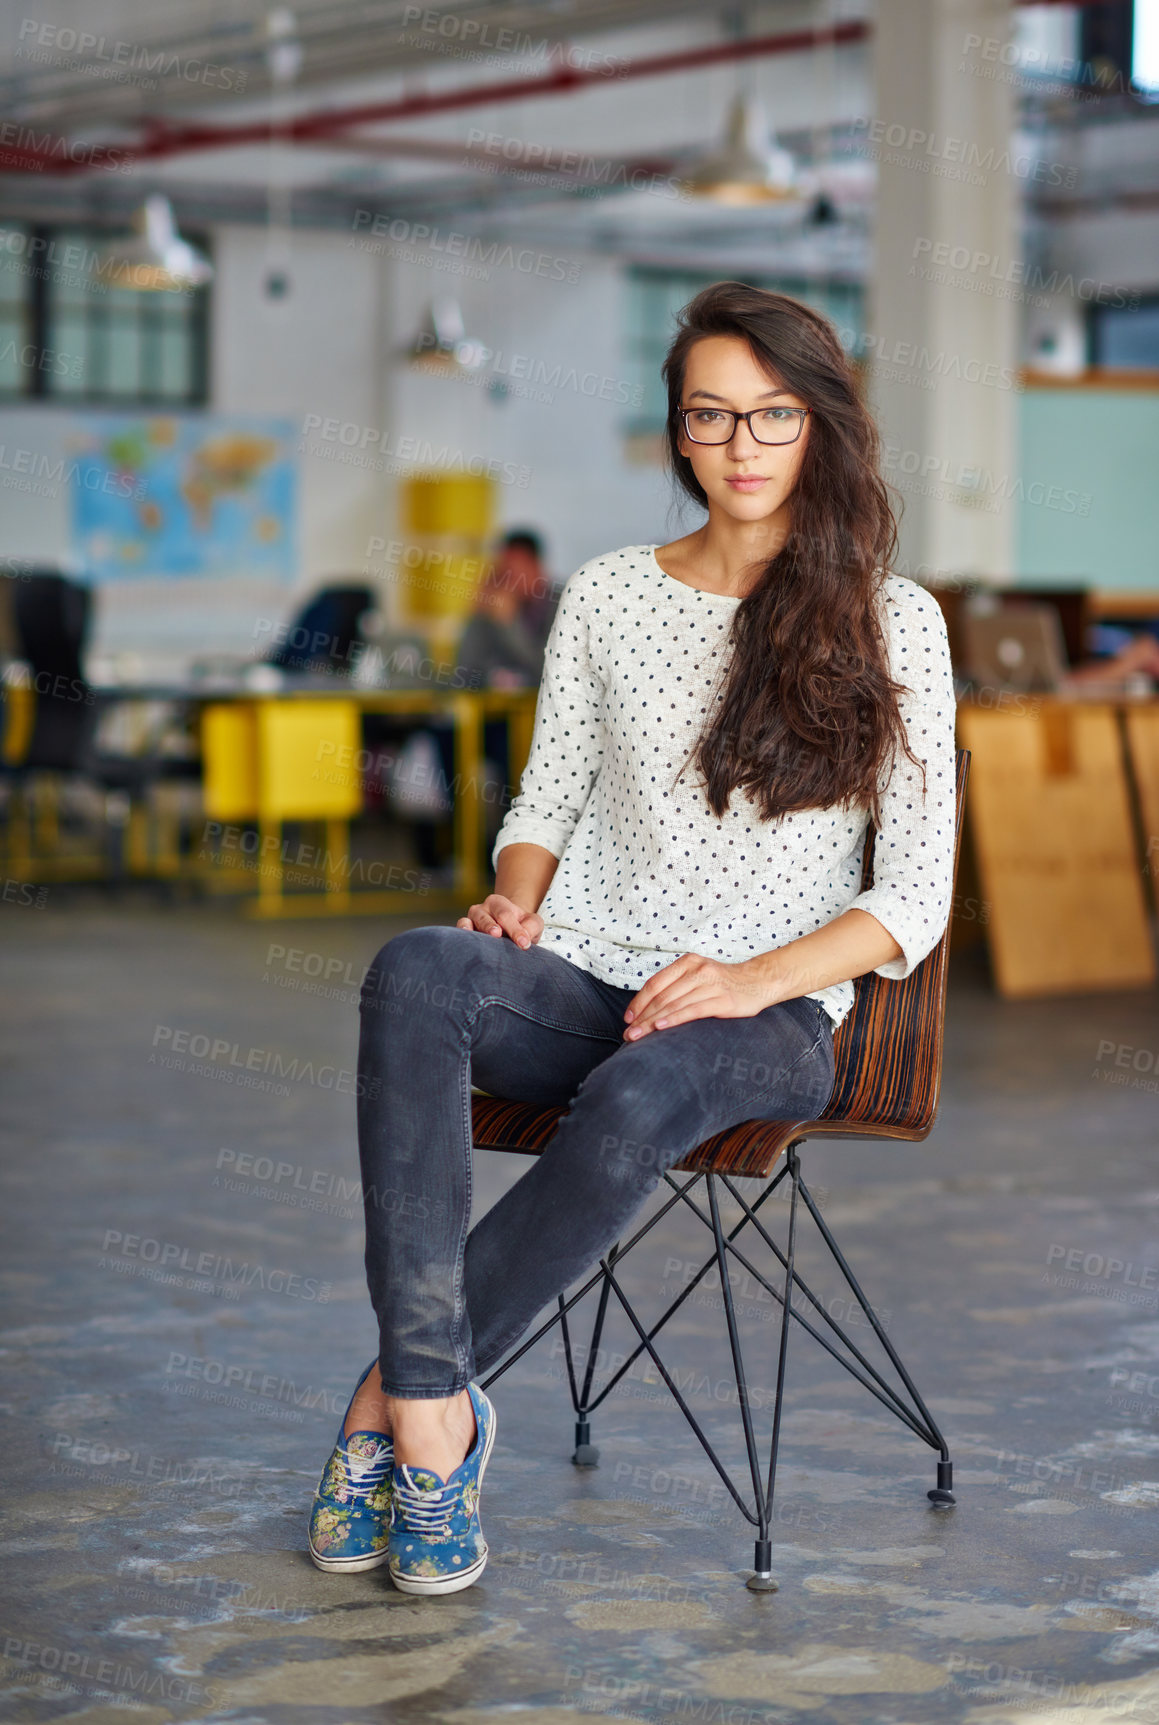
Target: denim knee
409,967
643,1136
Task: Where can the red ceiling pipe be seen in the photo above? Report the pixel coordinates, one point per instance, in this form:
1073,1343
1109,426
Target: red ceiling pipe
19,156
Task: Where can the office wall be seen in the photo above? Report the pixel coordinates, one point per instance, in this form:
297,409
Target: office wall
332,351
551,421
315,352
1095,448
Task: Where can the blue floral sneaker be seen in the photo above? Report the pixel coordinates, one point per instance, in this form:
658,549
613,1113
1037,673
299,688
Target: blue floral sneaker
350,1518
436,1540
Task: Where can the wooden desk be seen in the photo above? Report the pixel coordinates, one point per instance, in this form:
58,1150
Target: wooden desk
1060,850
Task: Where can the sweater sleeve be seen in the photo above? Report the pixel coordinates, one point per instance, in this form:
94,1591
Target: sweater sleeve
913,856
567,740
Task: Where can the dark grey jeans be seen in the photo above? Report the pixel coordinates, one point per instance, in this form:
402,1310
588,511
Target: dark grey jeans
443,1008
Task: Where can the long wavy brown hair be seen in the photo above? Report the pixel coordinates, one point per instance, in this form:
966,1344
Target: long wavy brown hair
809,714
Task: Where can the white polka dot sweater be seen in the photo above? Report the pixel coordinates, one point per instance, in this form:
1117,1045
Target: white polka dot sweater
646,870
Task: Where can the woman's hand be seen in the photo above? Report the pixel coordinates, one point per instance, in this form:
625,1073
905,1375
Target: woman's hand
499,916
696,987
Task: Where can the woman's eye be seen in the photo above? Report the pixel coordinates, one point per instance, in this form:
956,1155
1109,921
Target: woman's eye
707,416
778,415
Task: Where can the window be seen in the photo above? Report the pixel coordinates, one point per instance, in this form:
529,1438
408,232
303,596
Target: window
1126,338
68,334
654,298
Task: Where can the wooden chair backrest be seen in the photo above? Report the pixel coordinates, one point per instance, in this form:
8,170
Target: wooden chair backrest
888,1050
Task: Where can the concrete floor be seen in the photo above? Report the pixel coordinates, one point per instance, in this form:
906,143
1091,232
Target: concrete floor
162,1439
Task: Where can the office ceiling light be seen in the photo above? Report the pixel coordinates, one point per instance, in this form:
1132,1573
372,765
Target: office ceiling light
284,61
749,169
158,259
442,345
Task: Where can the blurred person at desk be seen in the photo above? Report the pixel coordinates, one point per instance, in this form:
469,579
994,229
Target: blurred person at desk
501,647
1133,669
503,643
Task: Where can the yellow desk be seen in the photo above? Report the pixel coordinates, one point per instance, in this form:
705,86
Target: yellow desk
288,756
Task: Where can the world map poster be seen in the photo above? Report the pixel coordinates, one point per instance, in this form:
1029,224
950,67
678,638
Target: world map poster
173,495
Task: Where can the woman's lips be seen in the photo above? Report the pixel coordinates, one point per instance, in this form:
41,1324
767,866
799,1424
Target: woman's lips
747,481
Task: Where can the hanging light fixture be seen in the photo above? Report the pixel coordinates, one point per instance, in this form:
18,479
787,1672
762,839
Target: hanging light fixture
158,258
749,169
442,345
284,62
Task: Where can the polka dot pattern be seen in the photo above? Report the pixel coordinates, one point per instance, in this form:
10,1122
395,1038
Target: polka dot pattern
634,665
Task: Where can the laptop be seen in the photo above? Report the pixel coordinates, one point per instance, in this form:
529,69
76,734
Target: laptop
1016,646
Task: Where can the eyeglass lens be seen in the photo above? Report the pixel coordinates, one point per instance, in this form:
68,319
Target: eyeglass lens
718,425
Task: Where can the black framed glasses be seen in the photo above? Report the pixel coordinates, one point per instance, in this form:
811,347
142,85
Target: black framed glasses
766,424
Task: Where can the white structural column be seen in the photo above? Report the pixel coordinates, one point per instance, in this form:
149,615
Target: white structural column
944,311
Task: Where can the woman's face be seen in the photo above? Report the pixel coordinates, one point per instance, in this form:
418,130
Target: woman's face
743,478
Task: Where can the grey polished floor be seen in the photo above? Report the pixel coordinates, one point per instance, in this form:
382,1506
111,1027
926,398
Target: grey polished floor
185,1315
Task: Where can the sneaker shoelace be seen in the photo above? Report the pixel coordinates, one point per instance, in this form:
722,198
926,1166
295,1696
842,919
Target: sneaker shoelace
424,1511
369,1475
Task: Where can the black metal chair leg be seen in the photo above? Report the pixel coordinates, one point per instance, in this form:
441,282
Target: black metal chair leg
586,1453
761,1580
942,1496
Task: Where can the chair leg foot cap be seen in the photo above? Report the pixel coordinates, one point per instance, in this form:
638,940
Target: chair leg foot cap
941,1499
586,1455
762,1584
